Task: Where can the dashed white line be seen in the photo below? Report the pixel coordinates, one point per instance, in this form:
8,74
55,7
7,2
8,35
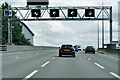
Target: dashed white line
85,56
89,59
45,64
115,75
17,57
116,58
53,57
99,65
109,56
30,75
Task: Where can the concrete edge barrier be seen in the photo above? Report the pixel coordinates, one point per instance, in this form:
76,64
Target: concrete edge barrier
28,48
111,52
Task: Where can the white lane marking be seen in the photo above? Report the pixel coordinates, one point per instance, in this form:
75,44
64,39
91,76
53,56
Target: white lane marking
17,57
116,58
89,59
85,56
45,64
99,65
30,75
53,57
109,56
115,75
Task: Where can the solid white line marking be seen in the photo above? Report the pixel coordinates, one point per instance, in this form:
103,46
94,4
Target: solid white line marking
45,64
89,59
115,75
99,65
30,75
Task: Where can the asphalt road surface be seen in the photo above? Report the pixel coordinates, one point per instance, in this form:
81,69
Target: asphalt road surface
47,64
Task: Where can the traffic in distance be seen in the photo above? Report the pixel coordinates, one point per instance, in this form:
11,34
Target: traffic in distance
69,49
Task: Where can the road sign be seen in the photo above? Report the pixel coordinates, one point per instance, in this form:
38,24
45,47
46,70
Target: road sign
36,13
7,13
89,13
54,12
72,12
37,2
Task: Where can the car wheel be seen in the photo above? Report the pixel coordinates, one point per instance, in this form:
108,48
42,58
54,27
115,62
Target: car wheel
73,55
60,55
93,52
85,52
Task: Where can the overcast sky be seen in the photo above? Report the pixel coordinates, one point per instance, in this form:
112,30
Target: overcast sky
56,33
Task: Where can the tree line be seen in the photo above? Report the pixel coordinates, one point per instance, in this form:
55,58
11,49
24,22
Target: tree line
18,37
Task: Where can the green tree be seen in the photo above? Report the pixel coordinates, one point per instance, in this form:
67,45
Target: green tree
18,37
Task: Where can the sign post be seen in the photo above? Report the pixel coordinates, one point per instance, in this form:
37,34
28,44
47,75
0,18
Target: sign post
8,13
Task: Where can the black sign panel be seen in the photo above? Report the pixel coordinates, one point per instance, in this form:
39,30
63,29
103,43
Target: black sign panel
37,2
54,12
89,13
36,13
72,12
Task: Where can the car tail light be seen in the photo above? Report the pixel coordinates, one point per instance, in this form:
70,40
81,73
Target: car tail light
93,48
86,48
61,49
72,49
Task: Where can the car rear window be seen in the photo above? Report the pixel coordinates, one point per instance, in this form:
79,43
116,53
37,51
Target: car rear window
66,46
89,46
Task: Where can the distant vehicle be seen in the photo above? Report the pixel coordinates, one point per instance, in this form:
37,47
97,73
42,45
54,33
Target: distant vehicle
83,49
67,50
76,49
90,49
79,48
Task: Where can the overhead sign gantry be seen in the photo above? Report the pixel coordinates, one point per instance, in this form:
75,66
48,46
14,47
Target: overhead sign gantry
41,12
63,13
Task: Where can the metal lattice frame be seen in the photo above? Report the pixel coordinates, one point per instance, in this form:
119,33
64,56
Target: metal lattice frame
26,16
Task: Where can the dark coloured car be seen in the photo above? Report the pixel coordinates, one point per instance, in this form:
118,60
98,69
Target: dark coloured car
90,49
67,50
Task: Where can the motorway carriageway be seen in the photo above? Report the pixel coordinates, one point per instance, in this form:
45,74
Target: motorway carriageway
47,64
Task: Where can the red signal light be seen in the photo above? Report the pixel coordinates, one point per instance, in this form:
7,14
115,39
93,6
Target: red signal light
72,49
61,49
